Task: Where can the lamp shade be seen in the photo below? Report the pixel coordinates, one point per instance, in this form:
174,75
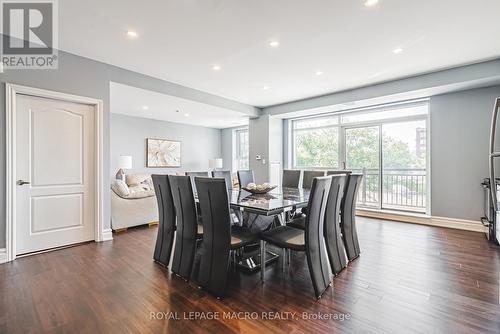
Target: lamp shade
215,163
125,162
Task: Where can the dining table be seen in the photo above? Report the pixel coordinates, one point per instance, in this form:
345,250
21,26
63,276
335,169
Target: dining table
277,203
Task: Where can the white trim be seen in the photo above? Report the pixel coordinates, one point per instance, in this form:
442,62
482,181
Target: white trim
3,255
414,218
107,234
11,92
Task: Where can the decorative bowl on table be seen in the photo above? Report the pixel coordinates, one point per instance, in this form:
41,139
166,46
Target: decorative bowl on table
258,188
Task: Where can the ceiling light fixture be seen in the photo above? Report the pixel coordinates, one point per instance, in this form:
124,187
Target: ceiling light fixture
371,3
145,107
186,114
274,44
397,50
318,73
216,67
265,87
131,33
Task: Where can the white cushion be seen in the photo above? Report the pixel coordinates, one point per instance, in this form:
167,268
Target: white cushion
136,179
120,188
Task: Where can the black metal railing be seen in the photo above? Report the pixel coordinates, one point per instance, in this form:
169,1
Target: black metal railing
404,189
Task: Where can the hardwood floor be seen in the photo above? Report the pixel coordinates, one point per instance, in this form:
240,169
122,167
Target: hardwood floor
409,278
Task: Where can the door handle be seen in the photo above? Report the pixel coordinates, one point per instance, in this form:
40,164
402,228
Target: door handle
22,182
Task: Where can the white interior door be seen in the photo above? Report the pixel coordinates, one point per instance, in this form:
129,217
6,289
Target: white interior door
55,161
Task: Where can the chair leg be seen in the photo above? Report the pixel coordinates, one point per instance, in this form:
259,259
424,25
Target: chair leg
262,260
284,259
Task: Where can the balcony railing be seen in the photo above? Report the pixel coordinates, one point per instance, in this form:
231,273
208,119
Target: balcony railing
402,189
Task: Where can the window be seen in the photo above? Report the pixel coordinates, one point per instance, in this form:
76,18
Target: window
241,155
316,142
387,144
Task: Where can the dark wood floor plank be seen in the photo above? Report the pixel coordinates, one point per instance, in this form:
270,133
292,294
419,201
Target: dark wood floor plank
409,278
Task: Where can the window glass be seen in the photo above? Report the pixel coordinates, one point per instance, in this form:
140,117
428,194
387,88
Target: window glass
315,122
385,114
242,148
317,148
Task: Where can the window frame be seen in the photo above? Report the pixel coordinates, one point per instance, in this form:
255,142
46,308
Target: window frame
237,157
341,140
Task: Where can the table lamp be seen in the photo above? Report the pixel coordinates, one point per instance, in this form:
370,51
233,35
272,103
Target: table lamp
215,163
124,162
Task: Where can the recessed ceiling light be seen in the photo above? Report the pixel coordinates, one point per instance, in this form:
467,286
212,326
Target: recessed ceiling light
274,44
145,107
131,33
319,73
265,87
397,50
186,114
216,67
370,3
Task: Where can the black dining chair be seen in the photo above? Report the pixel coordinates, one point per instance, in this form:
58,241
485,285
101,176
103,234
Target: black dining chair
189,231
192,175
309,175
166,215
220,238
348,216
291,178
226,175
310,240
245,177
332,232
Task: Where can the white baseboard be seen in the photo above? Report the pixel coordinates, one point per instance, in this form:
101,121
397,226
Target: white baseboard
107,235
459,224
3,255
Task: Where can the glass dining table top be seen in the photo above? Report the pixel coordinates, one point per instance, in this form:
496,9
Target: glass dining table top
276,201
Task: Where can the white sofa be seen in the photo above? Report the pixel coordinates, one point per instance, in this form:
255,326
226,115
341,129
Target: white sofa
133,202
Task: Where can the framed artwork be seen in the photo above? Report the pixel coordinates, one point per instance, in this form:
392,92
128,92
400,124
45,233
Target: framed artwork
163,153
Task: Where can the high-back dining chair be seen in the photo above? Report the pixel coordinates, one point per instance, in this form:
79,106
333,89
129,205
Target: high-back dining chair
332,233
226,175
219,237
309,175
166,214
310,240
291,178
192,175
188,229
245,177
348,216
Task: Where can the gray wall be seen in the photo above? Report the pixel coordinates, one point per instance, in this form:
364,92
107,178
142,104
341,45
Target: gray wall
459,151
227,148
258,135
128,137
85,77
266,140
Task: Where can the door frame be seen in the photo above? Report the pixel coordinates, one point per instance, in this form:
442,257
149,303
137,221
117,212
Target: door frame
12,90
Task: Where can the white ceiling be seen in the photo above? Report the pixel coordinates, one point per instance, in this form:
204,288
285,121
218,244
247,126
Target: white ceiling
132,101
179,41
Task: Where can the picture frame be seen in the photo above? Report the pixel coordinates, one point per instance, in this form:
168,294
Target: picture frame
163,153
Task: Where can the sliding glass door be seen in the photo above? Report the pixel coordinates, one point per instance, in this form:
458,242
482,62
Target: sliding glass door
362,155
400,148
404,176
